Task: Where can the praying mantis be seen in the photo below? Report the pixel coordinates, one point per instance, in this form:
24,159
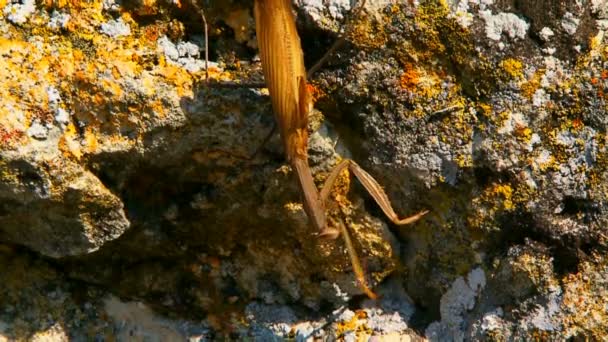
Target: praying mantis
285,75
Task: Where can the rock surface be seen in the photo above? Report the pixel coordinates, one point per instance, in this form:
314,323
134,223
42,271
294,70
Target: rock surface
123,174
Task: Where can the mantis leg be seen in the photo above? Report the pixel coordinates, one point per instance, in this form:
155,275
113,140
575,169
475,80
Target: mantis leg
337,44
230,85
265,141
374,189
206,31
354,260
246,158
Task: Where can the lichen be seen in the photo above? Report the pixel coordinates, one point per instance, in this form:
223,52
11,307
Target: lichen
512,67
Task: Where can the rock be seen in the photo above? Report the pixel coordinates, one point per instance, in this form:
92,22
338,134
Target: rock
123,168
54,205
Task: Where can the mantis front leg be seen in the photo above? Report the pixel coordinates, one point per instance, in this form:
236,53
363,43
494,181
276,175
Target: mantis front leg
372,187
376,191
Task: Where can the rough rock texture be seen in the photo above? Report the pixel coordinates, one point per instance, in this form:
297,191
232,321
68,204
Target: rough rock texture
124,175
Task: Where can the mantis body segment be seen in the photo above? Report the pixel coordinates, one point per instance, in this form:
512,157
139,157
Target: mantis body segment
285,75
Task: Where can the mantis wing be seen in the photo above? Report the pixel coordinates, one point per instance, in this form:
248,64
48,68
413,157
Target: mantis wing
284,71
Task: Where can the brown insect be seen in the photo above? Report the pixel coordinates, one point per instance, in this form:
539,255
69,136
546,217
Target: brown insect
285,74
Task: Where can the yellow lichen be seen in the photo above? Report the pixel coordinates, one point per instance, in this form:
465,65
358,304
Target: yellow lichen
495,198
368,34
86,68
512,67
90,140
293,206
356,324
464,161
523,133
506,192
530,87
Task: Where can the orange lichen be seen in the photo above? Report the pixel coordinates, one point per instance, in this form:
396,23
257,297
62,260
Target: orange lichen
315,92
409,78
423,82
176,76
214,262
68,143
9,138
577,124
158,108
582,293
523,133
152,33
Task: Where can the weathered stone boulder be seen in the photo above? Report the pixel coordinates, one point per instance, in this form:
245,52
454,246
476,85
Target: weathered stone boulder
123,167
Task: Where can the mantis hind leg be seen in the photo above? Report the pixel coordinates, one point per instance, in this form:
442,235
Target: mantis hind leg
354,260
355,11
246,158
265,141
208,82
